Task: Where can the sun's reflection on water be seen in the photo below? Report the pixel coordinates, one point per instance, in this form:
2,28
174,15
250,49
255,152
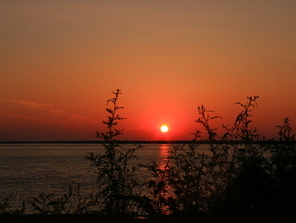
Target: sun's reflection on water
163,154
165,190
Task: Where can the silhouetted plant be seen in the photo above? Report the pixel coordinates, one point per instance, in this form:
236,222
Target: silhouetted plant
4,204
184,185
157,196
5,207
204,119
285,131
244,177
283,169
71,202
261,175
241,129
187,176
41,204
218,160
117,183
112,120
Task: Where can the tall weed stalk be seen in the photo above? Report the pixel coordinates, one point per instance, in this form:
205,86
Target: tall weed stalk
117,184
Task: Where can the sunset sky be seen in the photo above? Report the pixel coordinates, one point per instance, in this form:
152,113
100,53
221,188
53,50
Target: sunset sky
60,60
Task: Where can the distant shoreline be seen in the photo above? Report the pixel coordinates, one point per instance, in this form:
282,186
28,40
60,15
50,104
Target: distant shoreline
144,142
102,142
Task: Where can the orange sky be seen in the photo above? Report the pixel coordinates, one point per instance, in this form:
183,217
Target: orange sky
60,60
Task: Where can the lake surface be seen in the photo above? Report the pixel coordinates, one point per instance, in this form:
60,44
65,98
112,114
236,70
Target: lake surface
30,168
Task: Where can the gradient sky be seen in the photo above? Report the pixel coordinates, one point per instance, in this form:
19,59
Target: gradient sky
60,60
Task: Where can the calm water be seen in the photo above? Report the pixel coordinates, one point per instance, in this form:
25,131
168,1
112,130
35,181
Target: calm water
28,169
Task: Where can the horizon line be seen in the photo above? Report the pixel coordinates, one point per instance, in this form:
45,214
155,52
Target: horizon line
140,141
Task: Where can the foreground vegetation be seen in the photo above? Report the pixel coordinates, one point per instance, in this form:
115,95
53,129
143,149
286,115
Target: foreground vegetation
251,178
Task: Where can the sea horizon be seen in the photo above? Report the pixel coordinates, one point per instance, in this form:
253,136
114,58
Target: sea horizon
143,141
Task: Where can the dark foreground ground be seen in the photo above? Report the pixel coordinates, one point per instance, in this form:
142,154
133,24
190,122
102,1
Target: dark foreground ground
66,219
79,219
112,219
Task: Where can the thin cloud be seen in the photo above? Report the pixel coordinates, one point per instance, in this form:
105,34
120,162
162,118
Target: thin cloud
27,103
20,116
55,114
83,118
43,112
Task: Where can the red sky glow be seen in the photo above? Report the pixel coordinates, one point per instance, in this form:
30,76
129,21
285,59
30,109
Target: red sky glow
60,60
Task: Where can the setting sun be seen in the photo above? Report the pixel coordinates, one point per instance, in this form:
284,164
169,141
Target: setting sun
164,128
